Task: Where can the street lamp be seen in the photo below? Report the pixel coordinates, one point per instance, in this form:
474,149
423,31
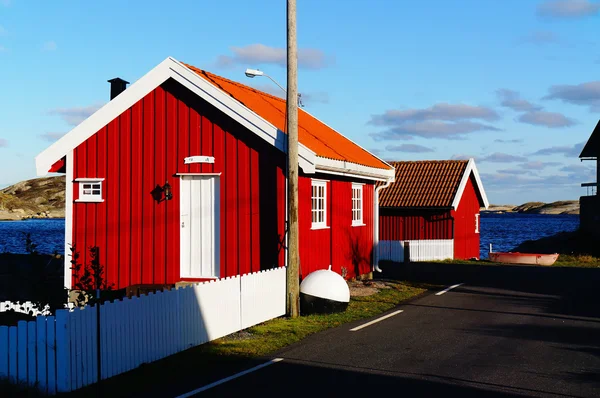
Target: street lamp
252,73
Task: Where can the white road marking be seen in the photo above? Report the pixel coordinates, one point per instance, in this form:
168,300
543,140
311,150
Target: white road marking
376,320
448,289
225,380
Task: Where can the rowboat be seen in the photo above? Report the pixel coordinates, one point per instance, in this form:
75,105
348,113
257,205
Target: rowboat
522,258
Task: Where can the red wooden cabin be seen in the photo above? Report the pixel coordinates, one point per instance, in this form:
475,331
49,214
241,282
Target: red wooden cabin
182,177
434,205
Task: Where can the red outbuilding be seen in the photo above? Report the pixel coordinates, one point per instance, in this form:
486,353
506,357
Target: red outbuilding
182,177
434,206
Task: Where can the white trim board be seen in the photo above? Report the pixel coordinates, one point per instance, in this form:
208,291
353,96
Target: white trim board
68,280
471,168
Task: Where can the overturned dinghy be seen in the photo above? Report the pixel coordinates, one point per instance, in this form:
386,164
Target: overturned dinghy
324,292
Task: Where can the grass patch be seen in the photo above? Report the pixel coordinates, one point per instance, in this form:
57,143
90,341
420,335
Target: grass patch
459,261
278,333
577,260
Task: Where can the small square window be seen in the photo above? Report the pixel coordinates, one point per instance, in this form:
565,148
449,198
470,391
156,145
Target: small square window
90,189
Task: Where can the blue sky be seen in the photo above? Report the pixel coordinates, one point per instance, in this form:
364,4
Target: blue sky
515,84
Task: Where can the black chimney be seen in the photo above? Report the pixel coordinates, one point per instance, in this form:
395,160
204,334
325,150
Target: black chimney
117,86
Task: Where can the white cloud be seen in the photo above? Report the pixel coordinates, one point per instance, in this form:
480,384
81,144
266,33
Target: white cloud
568,8
547,119
441,111
568,151
499,157
411,148
511,99
443,120
3,143
49,46
257,54
587,94
77,114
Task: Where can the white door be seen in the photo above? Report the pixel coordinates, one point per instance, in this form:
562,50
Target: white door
199,226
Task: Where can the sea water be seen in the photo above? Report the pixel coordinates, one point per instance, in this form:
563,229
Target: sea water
505,231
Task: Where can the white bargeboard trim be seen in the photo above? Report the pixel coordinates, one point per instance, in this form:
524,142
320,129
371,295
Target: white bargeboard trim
471,168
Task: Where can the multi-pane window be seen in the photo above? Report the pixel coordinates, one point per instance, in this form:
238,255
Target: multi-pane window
319,204
357,204
90,190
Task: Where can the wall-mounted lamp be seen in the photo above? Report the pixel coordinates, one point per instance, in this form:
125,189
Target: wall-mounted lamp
163,193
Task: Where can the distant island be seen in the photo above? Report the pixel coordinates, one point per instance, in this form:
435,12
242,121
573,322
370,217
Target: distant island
45,198
36,198
559,207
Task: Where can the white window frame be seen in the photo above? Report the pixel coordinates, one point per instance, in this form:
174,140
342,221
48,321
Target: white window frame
86,190
319,224
477,223
359,202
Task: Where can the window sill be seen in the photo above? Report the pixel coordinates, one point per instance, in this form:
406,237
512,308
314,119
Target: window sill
359,225
89,200
314,228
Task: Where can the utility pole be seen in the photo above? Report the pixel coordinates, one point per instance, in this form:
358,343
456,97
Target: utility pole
293,275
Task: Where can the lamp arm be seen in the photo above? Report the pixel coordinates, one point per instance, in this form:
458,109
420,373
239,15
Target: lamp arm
273,80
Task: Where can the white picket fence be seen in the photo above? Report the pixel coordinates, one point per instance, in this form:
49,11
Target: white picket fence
419,250
59,353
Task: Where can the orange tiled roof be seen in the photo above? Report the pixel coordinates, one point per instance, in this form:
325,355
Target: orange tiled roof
430,183
312,133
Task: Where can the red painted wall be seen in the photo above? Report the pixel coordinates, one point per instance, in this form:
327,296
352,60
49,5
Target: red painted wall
466,240
341,244
138,238
398,224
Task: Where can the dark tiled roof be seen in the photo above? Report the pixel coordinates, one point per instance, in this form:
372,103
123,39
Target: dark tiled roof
430,183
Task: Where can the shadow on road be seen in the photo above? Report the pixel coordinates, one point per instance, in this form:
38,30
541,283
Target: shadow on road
574,290
318,380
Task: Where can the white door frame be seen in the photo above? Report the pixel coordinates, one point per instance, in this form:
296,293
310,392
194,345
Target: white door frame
186,223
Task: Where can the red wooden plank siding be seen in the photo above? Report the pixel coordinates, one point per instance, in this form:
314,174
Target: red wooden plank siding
183,136
137,194
160,178
112,199
255,209
90,211
195,144
243,207
414,224
219,167
206,144
466,241
231,206
147,187
102,145
124,205
172,227
280,203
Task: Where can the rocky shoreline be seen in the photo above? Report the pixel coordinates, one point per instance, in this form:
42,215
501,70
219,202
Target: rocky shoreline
36,198
559,207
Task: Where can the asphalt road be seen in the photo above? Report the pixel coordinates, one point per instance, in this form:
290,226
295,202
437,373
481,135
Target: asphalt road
507,331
